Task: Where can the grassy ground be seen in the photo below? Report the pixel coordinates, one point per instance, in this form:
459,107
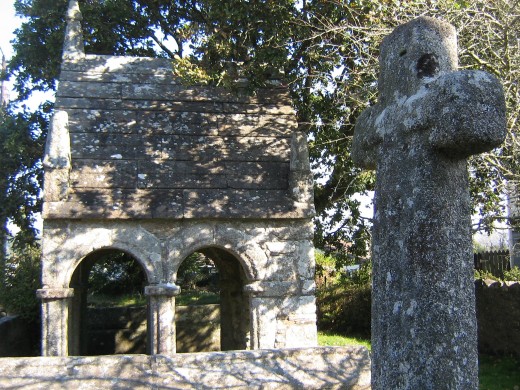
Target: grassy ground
499,373
102,300
495,373
184,299
327,339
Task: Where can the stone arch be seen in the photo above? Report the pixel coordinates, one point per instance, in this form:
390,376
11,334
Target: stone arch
232,240
234,306
126,332
144,247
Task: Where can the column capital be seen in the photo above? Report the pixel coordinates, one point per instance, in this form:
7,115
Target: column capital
166,289
55,293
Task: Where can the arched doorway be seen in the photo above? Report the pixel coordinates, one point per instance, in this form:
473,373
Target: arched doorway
212,275
108,313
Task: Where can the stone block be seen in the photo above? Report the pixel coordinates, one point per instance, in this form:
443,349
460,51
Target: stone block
256,125
93,90
87,173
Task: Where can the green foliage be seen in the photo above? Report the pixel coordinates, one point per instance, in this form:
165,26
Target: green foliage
512,275
197,273
483,274
121,300
22,279
197,298
22,136
323,260
344,309
325,265
361,277
116,273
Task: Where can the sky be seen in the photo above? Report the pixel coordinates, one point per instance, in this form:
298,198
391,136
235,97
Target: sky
7,25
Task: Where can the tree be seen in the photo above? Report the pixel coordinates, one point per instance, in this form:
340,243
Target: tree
327,50
21,139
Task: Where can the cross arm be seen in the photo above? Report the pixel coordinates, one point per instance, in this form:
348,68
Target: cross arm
366,139
467,113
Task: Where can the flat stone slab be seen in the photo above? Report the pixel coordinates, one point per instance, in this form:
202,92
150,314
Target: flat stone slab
299,368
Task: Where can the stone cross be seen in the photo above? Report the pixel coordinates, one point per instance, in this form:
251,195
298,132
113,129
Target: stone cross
429,119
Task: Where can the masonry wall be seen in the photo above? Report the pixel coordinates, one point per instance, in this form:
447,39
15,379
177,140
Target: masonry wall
306,368
122,330
276,259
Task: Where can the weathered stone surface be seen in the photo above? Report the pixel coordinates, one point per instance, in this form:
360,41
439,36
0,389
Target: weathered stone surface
428,120
73,47
57,147
271,254
131,125
156,135
309,368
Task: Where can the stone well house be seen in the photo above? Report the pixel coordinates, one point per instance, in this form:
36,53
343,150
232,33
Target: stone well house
137,162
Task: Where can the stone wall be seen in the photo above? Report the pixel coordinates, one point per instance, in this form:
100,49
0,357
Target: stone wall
197,328
122,330
116,330
128,140
498,317
305,368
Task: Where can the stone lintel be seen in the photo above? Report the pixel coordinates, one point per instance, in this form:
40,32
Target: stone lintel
276,289
177,204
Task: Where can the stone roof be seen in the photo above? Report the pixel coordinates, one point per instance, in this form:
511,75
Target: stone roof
143,145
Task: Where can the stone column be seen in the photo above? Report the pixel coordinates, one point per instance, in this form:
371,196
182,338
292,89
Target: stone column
55,320
161,318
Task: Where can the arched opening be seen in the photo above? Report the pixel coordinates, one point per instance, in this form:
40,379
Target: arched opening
108,314
212,309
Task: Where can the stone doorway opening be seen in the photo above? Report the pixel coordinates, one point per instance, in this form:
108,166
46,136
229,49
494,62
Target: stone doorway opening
217,318
108,313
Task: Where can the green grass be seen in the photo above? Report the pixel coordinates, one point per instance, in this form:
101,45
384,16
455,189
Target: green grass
102,300
495,372
499,373
197,298
184,299
328,339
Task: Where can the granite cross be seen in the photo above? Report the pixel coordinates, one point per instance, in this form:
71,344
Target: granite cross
429,119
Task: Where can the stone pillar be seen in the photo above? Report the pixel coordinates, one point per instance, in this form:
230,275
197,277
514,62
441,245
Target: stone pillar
428,120
55,320
161,318
282,315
